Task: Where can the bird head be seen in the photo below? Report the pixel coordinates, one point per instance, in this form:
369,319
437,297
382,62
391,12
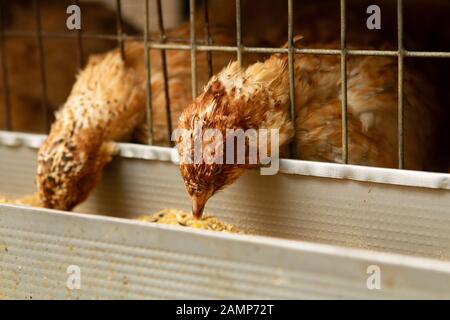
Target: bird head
217,133
202,181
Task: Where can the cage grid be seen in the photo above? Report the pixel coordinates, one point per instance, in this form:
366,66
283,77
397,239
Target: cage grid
79,43
163,43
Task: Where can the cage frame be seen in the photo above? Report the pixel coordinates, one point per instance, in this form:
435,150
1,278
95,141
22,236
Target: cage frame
164,43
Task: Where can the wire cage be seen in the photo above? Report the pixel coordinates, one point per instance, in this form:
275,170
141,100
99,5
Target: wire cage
311,233
163,43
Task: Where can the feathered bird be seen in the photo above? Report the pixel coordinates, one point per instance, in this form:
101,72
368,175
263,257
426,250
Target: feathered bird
318,120
97,112
106,104
257,98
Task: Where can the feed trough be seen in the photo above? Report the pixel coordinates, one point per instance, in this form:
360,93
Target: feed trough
322,237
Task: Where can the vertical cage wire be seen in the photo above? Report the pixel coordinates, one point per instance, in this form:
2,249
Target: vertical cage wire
400,80
193,48
39,34
4,66
162,39
344,82
119,22
238,32
291,58
148,79
79,42
41,57
208,38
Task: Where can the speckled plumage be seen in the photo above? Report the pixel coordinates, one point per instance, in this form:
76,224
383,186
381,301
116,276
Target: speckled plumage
371,112
236,98
61,57
257,97
106,104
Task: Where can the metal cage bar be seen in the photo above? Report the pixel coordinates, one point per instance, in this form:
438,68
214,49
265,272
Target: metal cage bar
193,45
208,38
238,33
148,79
4,66
291,58
400,80
119,22
162,39
193,48
344,82
41,58
183,44
79,42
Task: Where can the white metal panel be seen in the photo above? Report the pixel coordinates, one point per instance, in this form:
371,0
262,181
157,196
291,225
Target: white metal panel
125,259
129,259
371,215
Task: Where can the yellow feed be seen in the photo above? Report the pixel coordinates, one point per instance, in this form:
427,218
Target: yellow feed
166,216
180,218
32,201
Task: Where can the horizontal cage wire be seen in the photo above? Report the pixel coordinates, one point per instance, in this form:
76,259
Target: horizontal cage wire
163,43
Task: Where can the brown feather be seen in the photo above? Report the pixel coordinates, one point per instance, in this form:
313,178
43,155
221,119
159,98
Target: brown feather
107,103
257,97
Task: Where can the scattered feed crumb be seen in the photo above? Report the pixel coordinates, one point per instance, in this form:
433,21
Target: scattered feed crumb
166,216
184,219
32,201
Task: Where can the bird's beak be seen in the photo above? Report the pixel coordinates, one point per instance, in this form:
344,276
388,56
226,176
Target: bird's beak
198,204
